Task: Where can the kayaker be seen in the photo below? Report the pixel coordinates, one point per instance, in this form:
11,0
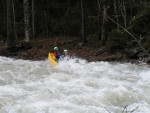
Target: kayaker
56,54
65,52
65,55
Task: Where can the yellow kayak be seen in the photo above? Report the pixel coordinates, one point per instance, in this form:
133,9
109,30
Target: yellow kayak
52,58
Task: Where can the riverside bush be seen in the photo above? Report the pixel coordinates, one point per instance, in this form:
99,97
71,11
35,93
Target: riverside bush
93,40
116,41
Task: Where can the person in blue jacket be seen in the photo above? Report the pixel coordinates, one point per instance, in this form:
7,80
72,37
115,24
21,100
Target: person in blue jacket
57,54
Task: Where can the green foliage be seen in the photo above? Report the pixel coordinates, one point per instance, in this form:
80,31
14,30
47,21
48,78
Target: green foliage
141,23
116,41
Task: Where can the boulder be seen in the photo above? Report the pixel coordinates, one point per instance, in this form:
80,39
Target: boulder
132,53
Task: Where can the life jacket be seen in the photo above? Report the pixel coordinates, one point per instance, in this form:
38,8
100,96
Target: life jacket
57,54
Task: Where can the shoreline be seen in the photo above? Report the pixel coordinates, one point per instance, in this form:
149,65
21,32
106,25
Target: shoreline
39,50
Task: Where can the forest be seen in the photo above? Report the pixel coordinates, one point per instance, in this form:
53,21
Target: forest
117,25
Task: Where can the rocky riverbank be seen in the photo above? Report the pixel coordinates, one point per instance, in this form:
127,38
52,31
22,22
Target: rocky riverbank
38,50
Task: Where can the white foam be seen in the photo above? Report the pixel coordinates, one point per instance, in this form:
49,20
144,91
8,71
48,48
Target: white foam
73,86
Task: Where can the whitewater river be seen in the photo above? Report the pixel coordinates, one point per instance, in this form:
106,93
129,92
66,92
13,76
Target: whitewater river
74,86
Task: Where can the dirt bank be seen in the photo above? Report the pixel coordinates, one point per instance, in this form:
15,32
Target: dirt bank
38,50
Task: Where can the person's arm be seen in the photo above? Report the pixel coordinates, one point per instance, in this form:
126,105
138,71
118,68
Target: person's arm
55,54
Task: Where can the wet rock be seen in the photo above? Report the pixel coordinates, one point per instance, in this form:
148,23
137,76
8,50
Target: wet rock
141,54
132,53
148,61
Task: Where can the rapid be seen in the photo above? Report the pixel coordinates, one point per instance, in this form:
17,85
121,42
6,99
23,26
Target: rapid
73,86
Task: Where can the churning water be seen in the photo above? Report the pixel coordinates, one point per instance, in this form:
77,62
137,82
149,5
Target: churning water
74,86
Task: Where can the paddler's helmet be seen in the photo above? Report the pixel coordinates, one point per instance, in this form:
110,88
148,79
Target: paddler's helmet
55,48
65,51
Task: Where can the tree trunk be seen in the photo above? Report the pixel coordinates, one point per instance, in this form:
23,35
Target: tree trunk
46,19
103,23
14,18
98,14
82,23
46,22
115,9
26,20
5,18
66,18
123,12
10,32
33,30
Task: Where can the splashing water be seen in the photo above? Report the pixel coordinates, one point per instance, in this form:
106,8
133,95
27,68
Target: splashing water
73,86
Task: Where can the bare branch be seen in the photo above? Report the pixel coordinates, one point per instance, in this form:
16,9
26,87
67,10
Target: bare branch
129,34
125,108
141,38
134,109
107,110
